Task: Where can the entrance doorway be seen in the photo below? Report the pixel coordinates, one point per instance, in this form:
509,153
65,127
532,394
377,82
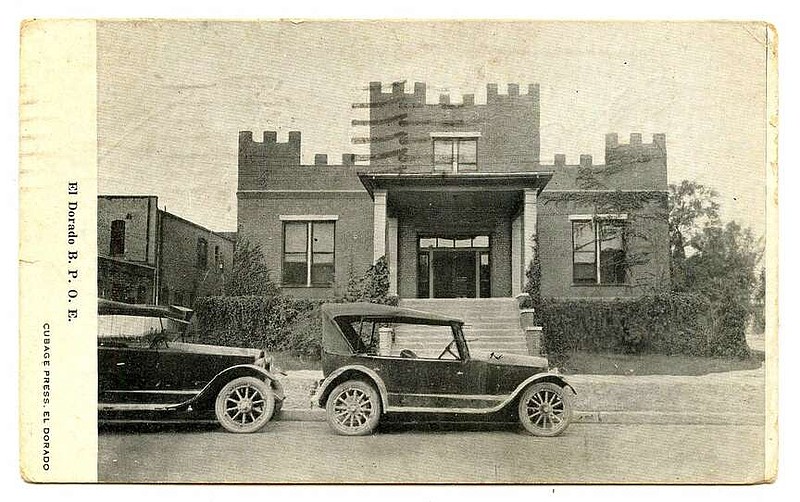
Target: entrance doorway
454,267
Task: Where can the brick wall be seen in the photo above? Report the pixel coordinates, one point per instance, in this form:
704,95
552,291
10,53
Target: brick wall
181,276
139,215
400,125
259,221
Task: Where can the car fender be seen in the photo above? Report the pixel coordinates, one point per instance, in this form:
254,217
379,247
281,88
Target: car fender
333,379
209,392
541,377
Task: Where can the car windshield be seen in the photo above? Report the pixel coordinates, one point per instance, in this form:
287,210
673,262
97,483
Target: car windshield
132,330
399,339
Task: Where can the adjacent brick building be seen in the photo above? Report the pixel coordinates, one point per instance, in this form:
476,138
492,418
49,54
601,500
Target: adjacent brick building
147,255
456,198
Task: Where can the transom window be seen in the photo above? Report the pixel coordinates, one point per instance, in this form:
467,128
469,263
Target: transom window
308,253
598,250
454,154
478,241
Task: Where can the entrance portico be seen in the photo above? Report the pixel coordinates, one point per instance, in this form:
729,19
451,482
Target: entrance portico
464,235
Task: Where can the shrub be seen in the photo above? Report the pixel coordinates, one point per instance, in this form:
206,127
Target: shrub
669,323
304,335
252,321
372,287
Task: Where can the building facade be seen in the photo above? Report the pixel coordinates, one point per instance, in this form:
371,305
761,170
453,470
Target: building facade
148,255
457,200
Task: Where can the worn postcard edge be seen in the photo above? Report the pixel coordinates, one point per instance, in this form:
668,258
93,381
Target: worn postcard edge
57,289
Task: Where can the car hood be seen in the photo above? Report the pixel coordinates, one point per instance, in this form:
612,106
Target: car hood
503,359
216,350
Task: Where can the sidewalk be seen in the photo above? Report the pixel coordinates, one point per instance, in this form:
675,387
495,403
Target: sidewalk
733,398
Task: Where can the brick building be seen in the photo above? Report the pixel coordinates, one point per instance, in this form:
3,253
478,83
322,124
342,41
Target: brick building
147,255
456,198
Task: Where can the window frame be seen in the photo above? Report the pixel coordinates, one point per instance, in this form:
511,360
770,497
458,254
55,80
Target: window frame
202,253
455,139
309,251
117,238
596,222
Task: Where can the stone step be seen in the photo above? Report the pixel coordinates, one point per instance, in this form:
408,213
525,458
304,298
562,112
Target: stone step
492,324
441,342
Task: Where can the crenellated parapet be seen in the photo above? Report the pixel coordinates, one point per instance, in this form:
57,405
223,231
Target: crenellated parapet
631,166
269,163
401,123
269,151
635,151
418,97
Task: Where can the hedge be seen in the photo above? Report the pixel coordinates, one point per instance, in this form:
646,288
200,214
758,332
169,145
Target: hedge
278,322
273,323
668,323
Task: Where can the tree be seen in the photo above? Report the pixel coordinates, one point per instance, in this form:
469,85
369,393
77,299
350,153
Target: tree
692,207
724,270
725,264
249,274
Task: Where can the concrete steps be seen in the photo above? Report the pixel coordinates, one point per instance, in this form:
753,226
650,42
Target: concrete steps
490,324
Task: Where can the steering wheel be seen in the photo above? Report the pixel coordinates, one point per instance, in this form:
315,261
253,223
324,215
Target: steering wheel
449,350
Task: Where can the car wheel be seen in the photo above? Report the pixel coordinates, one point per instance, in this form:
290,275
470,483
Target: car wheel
545,409
245,404
353,408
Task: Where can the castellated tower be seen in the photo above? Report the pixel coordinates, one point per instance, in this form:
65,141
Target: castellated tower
401,125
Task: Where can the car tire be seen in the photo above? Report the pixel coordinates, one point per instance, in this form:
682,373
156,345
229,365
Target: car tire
545,409
353,408
244,405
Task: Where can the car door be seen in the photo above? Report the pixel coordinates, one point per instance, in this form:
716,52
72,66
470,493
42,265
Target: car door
126,373
428,381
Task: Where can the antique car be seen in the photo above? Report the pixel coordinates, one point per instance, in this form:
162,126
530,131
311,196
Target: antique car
382,362
148,373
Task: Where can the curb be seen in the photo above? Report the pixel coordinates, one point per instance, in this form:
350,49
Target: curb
595,417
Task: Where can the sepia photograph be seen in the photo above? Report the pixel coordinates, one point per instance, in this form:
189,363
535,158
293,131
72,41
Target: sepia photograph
422,252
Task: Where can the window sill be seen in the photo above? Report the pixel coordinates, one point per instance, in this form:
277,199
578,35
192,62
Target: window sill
605,285
307,286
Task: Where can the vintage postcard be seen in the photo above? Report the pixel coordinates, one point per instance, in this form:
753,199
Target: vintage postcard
460,252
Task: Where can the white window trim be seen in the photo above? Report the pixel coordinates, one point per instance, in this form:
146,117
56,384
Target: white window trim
595,219
309,220
309,217
455,134
590,217
456,144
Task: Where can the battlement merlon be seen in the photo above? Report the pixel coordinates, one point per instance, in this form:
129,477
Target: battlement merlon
270,138
419,95
635,151
269,151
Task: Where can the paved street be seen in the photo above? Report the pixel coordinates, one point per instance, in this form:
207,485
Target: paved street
308,451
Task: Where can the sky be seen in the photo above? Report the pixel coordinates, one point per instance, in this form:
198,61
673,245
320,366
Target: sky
172,96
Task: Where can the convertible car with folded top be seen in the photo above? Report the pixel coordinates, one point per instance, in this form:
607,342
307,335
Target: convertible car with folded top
148,373
395,363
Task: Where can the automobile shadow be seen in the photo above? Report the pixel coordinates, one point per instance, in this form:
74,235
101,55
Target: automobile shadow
390,428
156,427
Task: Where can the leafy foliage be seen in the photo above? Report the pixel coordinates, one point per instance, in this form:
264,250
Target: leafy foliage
667,323
533,278
276,322
692,207
249,273
372,287
272,323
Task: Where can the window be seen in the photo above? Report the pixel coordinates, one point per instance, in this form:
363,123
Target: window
117,238
217,258
202,253
308,253
598,251
455,154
